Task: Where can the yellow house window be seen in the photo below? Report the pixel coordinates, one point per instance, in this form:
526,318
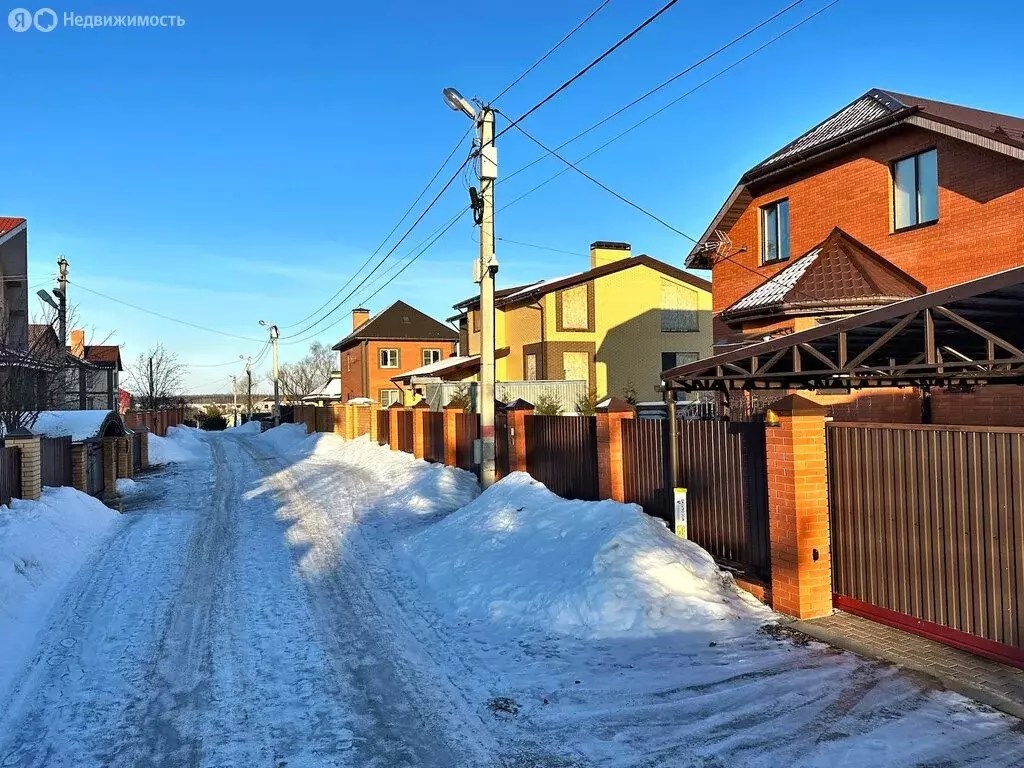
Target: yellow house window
678,308
575,308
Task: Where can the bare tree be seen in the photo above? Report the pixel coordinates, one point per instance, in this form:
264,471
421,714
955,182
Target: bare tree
155,378
32,369
302,377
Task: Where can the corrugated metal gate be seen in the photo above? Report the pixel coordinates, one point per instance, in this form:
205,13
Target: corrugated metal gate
404,424
383,428
433,436
94,468
137,438
561,452
10,473
723,467
501,446
55,461
467,430
928,531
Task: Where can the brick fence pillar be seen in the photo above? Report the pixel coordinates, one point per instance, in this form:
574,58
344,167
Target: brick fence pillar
31,465
419,429
517,411
610,467
798,510
143,435
393,410
450,434
110,446
79,455
124,457
371,412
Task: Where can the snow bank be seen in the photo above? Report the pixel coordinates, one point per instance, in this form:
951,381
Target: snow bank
286,438
42,545
249,428
80,425
126,486
181,444
521,555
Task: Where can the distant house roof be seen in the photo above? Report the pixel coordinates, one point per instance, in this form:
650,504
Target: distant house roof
41,335
534,291
839,274
861,119
399,322
331,390
103,356
448,365
10,223
79,425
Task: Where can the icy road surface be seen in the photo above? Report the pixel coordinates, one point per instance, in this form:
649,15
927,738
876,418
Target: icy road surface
241,615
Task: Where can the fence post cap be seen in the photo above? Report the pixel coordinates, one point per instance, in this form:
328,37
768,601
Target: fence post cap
422,405
452,407
798,405
615,405
395,405
519,404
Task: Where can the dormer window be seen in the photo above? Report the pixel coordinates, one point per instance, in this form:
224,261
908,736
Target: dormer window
915,190
775,232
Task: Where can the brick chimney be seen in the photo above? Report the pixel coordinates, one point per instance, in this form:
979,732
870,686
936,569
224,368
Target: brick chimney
359,316
78,343
605,252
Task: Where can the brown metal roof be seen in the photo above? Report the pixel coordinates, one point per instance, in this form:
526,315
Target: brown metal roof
967,333
840,274
474,301
400,322
103,355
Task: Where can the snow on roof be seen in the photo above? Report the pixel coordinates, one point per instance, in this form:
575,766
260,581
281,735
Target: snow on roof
774,290
331,389
80,425
539,287
440,366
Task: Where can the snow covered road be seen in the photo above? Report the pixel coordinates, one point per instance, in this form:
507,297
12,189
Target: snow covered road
267,608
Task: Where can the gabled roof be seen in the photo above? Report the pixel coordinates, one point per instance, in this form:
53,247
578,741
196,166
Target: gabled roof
839,274
399,322
875,111
41,333
473,301
102,355
534,291
10,226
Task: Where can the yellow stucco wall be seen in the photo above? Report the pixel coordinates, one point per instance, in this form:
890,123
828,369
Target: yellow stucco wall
627,336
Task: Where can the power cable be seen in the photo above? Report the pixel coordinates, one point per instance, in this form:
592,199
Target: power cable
541,247
386,256
622,41
551,50
378,249
165,317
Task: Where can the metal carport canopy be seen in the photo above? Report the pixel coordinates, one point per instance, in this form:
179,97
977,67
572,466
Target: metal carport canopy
970,333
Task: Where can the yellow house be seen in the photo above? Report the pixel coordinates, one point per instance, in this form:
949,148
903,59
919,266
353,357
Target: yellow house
617,325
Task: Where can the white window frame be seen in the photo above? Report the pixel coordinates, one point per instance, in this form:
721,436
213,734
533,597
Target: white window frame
435,356
394,396
387,351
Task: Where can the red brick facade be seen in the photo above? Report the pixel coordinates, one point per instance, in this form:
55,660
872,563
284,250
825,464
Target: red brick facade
362,374
981,214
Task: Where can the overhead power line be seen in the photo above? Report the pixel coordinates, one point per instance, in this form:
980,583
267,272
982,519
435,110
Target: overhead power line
165,317
541,247
551,50
622,41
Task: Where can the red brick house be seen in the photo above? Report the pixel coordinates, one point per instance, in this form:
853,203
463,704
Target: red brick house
888,198
398,339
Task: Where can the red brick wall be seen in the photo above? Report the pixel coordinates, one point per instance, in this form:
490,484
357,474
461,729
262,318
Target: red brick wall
410,355
981,214
350,363
988,406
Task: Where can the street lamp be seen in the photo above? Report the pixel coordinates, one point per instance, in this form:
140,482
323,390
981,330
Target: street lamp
45,296
484,271
277,388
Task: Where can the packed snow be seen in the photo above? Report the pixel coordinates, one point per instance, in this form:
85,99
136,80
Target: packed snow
181,444
519,554
249,428
283,598
80,425
127,487
42,545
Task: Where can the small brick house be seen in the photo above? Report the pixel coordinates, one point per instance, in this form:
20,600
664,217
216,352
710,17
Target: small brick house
399,338
890,197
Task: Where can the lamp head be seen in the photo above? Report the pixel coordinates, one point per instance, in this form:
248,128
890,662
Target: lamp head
44,296
456,101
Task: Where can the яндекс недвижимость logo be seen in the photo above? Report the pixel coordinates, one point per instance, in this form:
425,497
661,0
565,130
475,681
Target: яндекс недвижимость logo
22,19
46,20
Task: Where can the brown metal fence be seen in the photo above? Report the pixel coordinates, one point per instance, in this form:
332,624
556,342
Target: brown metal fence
644,465
433,436
501,447
383,428
10,474
405,431
928,531
55,461
324,420
467,431
94,482
561,452
137,438
723,466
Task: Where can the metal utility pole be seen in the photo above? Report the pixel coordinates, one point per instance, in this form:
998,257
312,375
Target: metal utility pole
277,387
152,392
484,270
62,300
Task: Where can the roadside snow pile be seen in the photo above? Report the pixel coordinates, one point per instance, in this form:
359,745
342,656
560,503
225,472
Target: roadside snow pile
286,438
249,428
42,545
181,444
520,555
126,486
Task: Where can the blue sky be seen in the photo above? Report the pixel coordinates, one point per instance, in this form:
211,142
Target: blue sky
243,166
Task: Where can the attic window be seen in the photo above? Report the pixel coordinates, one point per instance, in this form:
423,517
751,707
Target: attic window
775,232
405,319
915,190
